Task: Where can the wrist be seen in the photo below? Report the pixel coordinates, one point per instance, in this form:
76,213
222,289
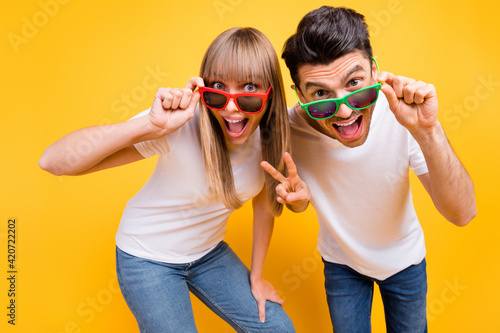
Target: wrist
255,277
429,136
150,131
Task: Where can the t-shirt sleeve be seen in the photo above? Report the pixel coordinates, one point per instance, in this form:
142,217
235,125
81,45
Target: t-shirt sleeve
417,160
151,148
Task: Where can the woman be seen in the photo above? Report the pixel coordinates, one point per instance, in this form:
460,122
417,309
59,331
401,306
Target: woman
170,238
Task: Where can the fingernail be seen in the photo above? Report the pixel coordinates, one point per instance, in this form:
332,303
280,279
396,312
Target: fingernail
262,320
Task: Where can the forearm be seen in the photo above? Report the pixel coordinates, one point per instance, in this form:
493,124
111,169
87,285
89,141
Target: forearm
449,185
262,233
263,225
79,151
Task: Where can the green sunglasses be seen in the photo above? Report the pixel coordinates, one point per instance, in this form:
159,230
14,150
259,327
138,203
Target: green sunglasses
357,100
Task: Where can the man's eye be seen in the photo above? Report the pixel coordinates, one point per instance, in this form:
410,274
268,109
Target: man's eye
354,82
320,93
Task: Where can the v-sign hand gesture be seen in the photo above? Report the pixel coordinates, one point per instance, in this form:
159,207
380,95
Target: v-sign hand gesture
414,103
292,190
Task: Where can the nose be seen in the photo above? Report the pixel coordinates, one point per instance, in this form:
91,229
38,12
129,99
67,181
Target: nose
231,105
344,111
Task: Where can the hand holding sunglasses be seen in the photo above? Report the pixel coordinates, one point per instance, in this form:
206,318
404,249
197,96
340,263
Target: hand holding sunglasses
414,103
173,107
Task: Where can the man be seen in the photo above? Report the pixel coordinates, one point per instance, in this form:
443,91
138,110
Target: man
354,154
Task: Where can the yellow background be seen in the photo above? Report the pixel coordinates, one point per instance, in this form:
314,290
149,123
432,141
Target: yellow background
71,65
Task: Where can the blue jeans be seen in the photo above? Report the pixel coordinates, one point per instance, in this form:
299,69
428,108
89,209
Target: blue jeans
350,294
157,293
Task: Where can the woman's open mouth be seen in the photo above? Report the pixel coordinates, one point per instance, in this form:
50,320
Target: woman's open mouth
235,127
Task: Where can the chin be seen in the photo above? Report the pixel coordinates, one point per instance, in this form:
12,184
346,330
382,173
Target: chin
354,143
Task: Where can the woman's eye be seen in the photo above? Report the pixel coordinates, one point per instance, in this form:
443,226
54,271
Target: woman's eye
218,85
250,87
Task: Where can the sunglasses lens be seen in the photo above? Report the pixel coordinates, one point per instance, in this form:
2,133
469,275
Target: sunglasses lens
249,103
214,100
322,109
363,98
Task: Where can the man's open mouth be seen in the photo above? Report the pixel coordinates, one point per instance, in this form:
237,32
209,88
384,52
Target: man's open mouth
350,130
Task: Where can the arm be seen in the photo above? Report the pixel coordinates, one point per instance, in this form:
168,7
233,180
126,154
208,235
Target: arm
415,106
447,181
263,224
100,147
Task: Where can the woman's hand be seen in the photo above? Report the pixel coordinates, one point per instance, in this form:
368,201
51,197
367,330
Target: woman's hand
173,107
264,291
292,190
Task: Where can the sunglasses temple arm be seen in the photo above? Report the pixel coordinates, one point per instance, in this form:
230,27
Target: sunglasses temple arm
297,94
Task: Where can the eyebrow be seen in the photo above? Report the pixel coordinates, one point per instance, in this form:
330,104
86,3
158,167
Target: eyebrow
352,71
344,78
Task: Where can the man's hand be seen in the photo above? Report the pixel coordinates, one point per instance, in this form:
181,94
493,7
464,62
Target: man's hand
414,103
292,190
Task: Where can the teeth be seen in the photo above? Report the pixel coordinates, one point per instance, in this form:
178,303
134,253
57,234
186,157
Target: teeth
347,124
233,120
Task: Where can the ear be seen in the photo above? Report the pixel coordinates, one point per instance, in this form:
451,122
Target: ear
375,69
299,94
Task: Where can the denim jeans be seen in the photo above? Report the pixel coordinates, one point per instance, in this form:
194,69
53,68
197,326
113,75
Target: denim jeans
157,293
350,295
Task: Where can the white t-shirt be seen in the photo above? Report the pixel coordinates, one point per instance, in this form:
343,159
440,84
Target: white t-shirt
172,218
362,195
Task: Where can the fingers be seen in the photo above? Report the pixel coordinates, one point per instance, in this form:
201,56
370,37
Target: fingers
282,191
195,82
261,304
195,97
176,98
262,310
290,165
392,98
272,171
407,89
180,98
297,197
384,76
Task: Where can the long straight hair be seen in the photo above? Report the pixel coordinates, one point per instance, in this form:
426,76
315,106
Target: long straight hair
244,54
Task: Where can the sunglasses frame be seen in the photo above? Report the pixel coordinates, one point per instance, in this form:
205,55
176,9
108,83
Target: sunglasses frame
341,100
263,96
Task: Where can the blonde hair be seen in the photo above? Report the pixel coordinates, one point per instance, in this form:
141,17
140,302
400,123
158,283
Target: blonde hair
244,54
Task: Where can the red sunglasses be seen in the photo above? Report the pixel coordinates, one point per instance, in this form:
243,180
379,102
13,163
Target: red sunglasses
245,102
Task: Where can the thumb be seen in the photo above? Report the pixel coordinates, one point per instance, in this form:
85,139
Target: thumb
392,98
194,100
262,311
